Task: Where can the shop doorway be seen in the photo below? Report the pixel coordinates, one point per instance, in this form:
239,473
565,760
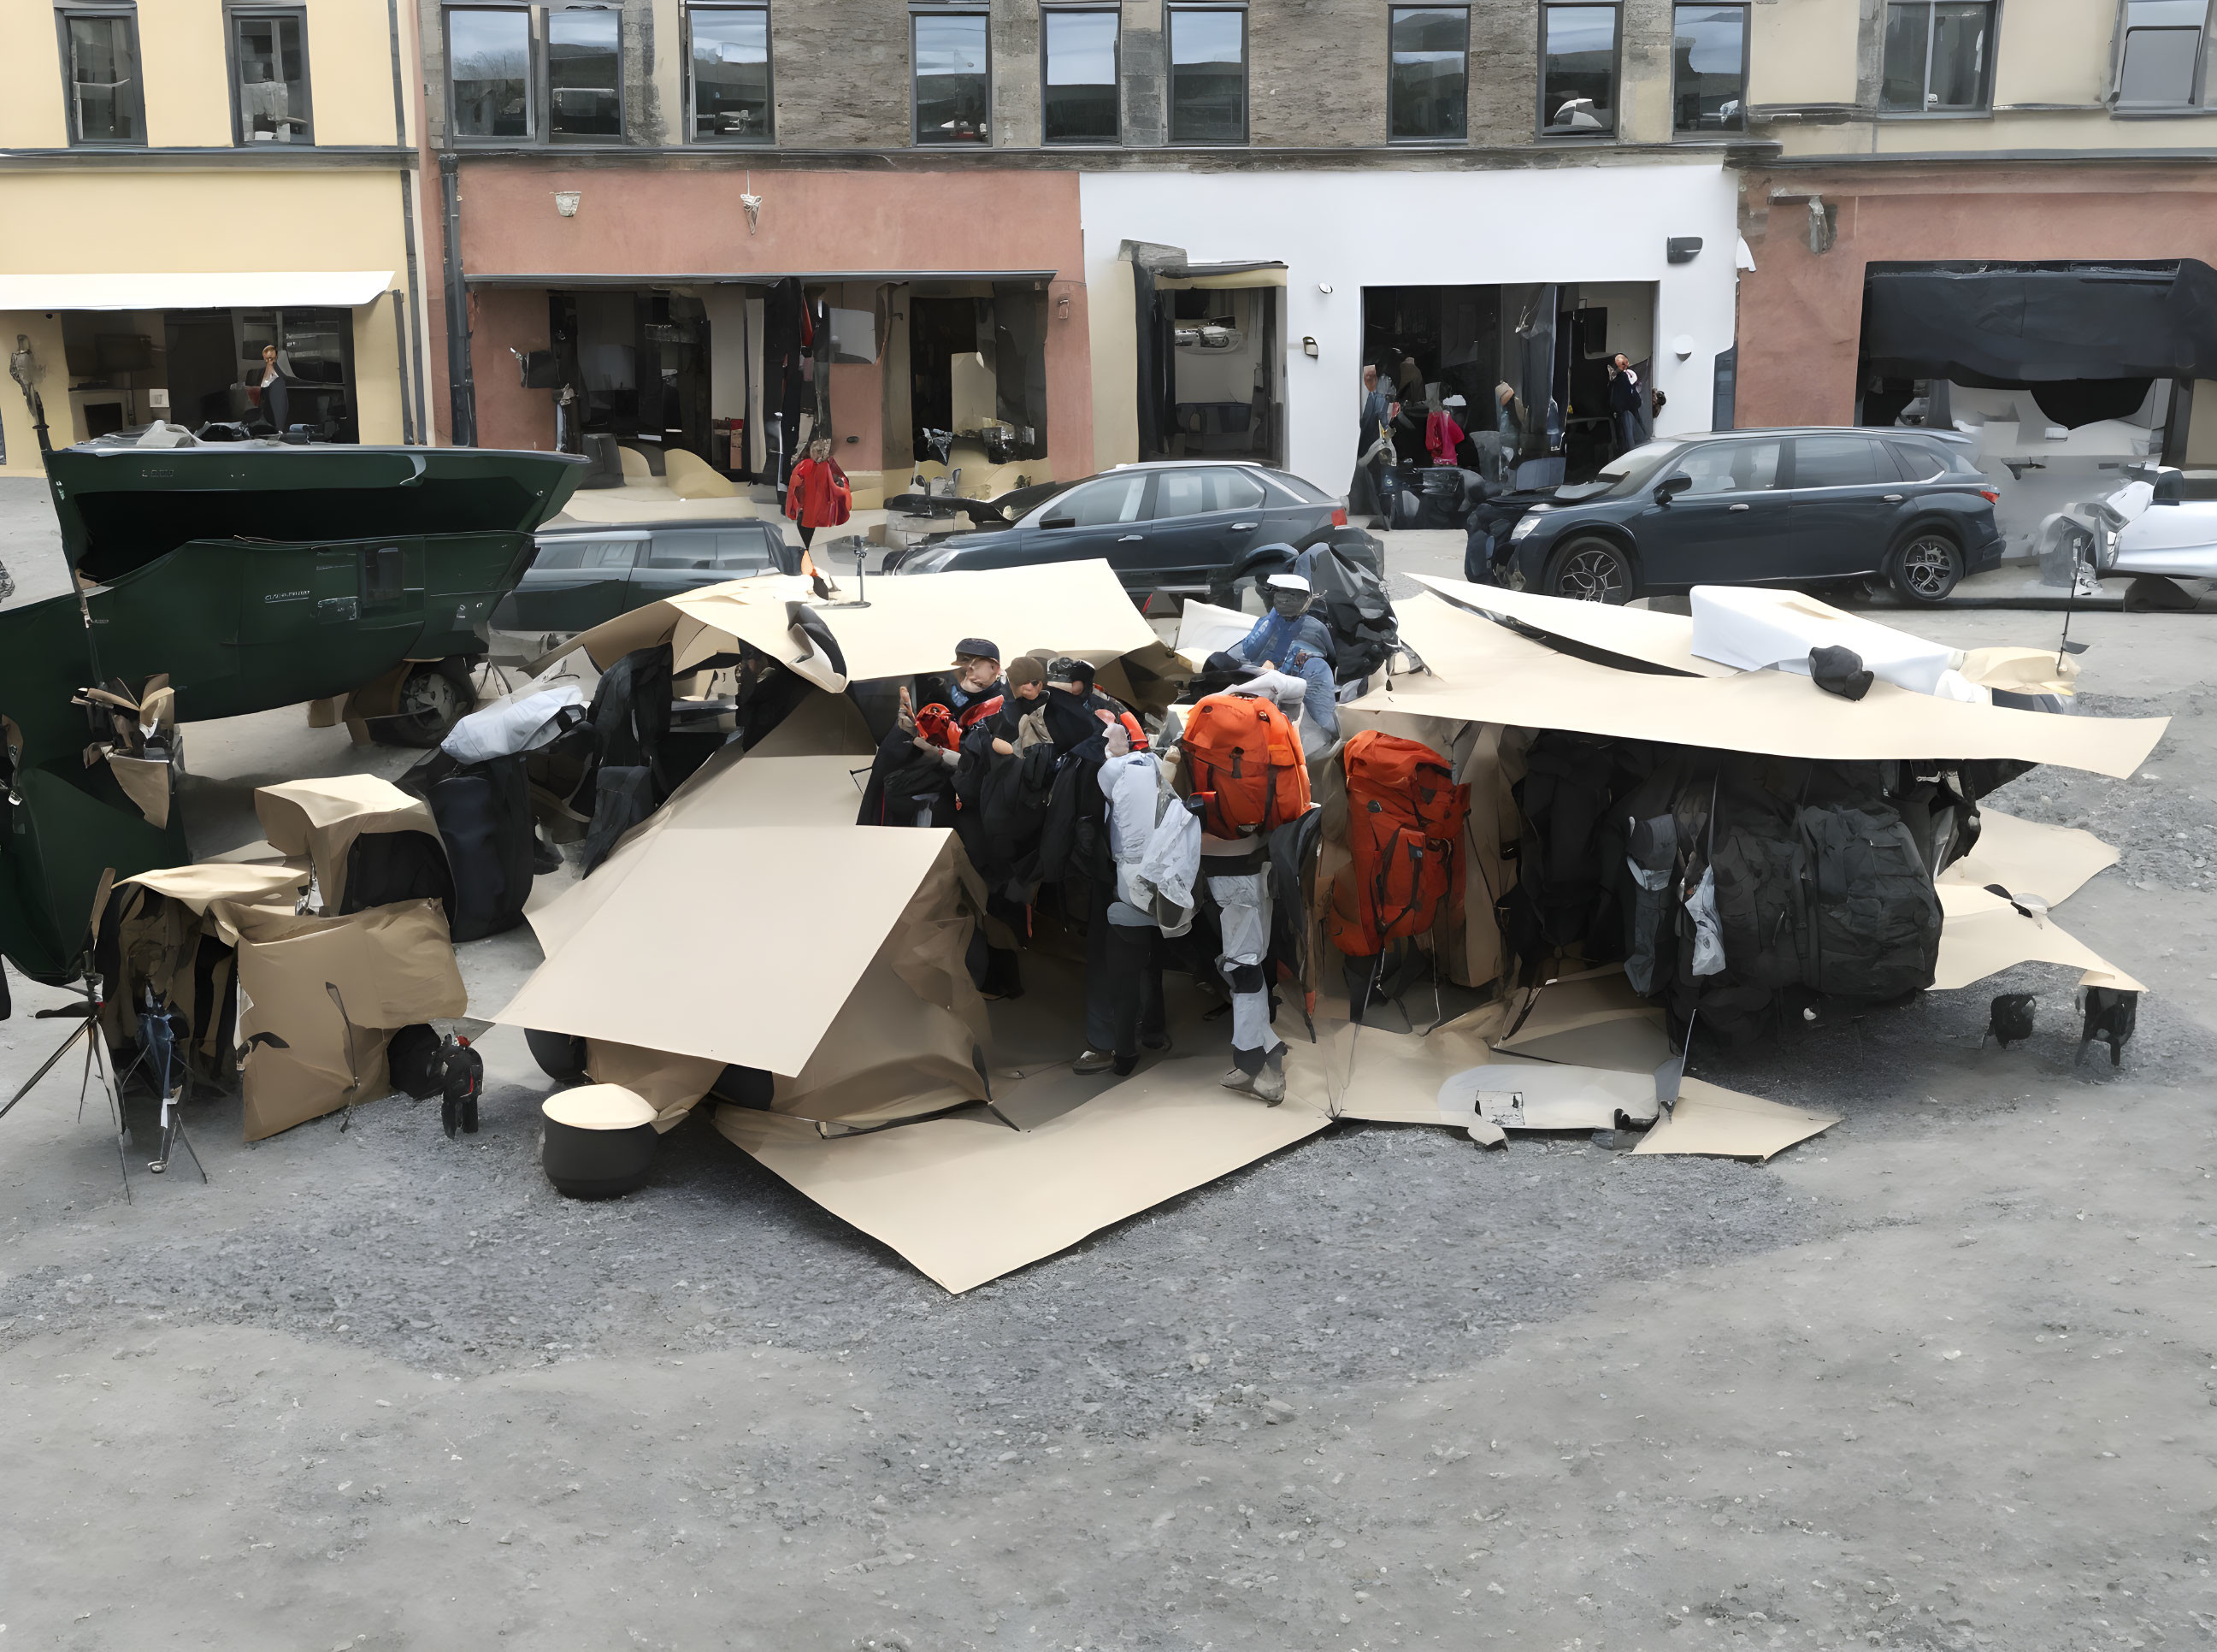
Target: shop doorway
1211,367
639,365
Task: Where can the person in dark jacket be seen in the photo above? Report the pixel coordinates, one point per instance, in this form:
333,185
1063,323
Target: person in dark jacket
1624,396
276,399
1366,496
911,776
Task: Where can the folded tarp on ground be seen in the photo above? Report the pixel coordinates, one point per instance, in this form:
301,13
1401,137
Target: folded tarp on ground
1486,674
2030,858
321,819
1981,934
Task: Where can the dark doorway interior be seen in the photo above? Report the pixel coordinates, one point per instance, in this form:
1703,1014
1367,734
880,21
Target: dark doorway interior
639,364
940,328
201,370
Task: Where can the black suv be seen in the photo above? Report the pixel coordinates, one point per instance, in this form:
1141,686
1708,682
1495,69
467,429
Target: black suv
1793,507
1196,527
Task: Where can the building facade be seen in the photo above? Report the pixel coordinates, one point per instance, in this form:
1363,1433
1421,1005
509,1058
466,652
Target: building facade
1028,239
187,181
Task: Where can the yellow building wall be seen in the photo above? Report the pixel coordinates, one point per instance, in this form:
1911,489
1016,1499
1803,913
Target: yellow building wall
1803,52
350,72
31,111
2054,52
181,53
113,222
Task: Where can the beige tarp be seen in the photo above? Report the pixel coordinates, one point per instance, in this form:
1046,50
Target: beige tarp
1489,674
2028,857
320,818
1636,633
146,781
910,625
1982,934
1726,1125
393,967
196,887
966,1199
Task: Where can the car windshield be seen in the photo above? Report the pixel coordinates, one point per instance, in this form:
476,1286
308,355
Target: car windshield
1626,473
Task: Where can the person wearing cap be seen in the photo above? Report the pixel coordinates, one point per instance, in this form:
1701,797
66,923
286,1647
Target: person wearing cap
911,780
1291,639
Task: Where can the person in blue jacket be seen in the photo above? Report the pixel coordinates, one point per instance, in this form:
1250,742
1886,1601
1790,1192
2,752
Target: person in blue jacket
1291,639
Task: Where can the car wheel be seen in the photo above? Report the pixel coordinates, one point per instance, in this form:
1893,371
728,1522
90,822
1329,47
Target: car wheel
1591,571
559,1054
1927,567
434,697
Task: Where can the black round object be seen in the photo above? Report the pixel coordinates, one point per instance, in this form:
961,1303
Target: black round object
1926,568
2073,402
599,1141
559,1054
412,1058
1591,571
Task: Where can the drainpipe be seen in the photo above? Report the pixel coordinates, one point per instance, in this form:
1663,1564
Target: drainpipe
461,388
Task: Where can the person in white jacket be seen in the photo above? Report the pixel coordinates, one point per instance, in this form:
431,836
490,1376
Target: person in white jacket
1155,841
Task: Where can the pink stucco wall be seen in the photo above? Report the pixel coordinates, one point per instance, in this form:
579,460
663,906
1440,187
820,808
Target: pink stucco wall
1801,312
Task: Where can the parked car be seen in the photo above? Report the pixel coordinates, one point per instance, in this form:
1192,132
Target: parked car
1194,528
583,575
2162,522
1784,507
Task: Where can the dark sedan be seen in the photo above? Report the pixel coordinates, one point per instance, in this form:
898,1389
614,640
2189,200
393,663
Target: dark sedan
1196,527
1758,508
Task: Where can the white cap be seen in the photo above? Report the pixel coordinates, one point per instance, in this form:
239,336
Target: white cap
1287,582
1454,401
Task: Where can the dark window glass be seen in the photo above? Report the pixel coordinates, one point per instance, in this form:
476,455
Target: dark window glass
489,69
107,102
1081,78
584,75
2162,52
560,555
1209,77
953,86
1936,55
1578,70
682,548
1428,74
1917,464
600,556
273,80
1837,461
1729,467
1709,54
731,74
1098,504
743,550
1195,492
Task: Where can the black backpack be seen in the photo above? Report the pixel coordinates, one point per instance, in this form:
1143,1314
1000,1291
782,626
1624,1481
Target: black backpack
1354,608
1874,916
1569,858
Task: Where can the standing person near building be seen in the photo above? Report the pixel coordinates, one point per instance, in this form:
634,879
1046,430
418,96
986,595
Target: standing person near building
1374,446
276,401
1443,433
819,495
1624,396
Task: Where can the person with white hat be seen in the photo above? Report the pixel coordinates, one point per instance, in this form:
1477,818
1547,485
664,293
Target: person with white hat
1291,639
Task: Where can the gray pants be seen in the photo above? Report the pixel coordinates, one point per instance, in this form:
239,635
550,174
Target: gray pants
1244,903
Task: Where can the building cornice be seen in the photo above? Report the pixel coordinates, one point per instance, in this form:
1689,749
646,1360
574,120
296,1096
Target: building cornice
261,157
702,157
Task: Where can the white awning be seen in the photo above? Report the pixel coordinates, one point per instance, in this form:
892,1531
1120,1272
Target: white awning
258,289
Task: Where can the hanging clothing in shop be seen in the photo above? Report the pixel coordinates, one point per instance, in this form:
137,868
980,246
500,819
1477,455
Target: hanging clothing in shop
1442,436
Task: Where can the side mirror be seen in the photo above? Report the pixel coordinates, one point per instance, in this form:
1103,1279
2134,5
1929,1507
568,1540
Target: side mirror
1671,486
2170,486
1059,521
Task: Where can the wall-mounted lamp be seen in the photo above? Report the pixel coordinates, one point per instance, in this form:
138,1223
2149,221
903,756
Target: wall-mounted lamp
1683,346
566,202
1325,288
1682,249
1308,347
1062,308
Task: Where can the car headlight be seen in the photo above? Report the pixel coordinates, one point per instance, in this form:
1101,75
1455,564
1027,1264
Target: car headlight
1525,525
931,562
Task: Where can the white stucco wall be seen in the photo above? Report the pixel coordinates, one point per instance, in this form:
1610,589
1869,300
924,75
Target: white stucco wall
1346,230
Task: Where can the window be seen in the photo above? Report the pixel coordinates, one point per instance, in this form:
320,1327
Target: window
1837,461
731,74
100,56
269,77
1195,492
1079,48
1936,56
1578,71
1708,58
1428,73
595,555
584,75
489,70
1208,75
1098,505
953,78
1729,468
2161,65
1917,464
741,550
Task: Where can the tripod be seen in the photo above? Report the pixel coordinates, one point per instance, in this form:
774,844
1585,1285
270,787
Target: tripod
86,1014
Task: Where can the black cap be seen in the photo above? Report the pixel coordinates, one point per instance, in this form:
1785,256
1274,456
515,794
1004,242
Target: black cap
977,648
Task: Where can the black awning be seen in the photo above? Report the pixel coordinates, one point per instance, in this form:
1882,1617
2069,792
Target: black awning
1998,325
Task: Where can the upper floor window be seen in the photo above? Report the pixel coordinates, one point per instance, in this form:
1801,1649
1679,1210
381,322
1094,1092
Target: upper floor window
730,61
100,59
584,74
551,73
1578,71
269,76
2161,66
1708,75
1428,73
1939,56
1209,74
489,73
953,78
1079,91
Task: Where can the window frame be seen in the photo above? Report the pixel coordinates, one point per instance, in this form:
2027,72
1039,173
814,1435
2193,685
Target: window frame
1171,9
1746,10
543,55
128,13
2197,94
1615,75
1393,9
977,9
248,10
769,139
534,121
1983,109
1053,8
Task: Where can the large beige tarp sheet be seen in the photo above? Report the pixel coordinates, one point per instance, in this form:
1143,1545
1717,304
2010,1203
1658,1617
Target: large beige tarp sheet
1723,1123
2030,858
1663,639
196,885
1982,935
966,1199
911,624
1489,674
320,818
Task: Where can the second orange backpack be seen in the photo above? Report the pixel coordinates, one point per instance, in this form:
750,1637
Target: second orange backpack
1405,822
1245,759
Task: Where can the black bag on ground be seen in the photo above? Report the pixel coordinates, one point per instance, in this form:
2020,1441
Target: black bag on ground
385,867
1564,899
412,1057
1875,916
484,814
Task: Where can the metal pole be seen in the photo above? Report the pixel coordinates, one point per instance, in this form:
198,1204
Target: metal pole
400,343
461,389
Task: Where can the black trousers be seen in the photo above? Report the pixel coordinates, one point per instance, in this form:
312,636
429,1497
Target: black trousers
1123,984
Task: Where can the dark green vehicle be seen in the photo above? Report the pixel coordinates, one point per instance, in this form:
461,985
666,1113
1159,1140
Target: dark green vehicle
253,575
585,574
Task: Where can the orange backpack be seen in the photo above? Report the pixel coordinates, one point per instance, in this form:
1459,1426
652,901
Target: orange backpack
1405,822
1245,762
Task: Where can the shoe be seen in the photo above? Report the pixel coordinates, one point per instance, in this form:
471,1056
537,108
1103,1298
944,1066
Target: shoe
1159,1046
1236,1079
1270,1086
1123,1066
1093,1061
